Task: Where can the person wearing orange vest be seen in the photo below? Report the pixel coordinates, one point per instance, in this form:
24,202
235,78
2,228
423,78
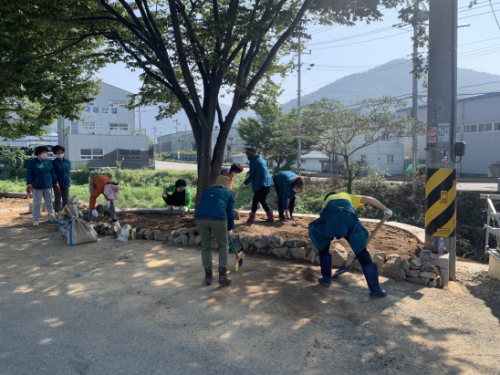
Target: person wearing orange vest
111,190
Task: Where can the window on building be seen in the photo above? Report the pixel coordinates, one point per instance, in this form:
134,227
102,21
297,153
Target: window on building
118,103
496,126
88,125
473,128
88,153
466,128
390,158
487,127
480,128
117,127
459,129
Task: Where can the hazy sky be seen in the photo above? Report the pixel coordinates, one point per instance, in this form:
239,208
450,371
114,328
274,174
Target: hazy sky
361,52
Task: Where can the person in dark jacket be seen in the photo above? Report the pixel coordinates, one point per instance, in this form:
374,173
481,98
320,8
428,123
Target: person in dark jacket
339,219
215,215
287,185
40,178
231,171
178,195
62,168
261,184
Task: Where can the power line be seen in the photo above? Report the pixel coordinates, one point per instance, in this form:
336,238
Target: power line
352,36
364,41
479,14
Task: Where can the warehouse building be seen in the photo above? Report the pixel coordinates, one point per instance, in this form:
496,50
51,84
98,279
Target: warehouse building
478,124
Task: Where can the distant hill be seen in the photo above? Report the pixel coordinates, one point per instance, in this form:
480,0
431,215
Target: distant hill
392,78
167,126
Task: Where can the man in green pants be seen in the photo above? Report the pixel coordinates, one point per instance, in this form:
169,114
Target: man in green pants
215,215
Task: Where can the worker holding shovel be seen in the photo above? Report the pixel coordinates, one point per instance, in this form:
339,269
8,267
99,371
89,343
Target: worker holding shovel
339,219
215,215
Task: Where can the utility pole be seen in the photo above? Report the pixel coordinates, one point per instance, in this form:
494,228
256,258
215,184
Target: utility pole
441,180
140,126
414,107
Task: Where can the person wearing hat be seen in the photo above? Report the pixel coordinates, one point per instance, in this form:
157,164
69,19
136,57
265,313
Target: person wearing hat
178,195
261,184
287,185
339,219
40,178
215,216
111,190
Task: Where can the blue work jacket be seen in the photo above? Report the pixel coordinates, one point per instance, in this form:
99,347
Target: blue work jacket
40,174
62,168
259,174
284,184
217,202
338,219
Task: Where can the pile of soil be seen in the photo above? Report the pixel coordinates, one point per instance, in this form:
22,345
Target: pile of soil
388,239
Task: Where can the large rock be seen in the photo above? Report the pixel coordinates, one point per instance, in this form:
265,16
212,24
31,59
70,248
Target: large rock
263,242
100,209
194,231
255,239
350,257
301,243
116,228
339,257
178,240
158,236
405,264
197,240
415,264
280,252
340,247
392,256
418,280
412,273
148,235
140,234
237,244
181,231
436,283
237,215
191,239
311,257
185,239
298,252
382,254
291,242
171,236
428,267
357,266
379,262
430,275
312,246
392,268
276,241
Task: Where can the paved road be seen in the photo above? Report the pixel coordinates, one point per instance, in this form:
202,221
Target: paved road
140,307
173,166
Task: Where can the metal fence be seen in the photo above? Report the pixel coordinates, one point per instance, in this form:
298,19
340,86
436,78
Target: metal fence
128,159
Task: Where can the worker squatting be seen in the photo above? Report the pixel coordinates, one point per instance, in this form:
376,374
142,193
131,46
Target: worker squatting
215,211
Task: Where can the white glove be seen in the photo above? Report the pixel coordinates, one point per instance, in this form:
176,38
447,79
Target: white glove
95,213
229,232
388,212
108,203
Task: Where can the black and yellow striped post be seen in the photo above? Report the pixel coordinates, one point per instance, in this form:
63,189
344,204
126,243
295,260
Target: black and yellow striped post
440,193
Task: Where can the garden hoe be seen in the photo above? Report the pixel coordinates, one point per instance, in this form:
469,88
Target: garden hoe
239,191
372,234
240,257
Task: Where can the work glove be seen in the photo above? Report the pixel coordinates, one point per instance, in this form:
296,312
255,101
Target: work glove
29,189
164,195
229,232
108,203
95,213
388,212
57,189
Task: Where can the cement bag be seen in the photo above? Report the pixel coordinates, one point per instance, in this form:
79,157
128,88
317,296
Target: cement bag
70,210
64,227
80,232
124,233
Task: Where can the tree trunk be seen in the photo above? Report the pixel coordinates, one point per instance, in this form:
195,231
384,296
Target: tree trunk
350,177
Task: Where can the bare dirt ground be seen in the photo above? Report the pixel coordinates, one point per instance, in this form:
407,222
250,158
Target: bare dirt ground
140,307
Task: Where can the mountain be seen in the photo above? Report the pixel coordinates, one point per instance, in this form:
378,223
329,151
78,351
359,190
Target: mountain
167,126
394,79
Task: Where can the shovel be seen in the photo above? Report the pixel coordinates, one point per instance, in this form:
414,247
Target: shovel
240,257
239,191
372,234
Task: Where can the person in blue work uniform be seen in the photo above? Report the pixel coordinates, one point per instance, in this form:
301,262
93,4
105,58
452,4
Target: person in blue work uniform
261,184
287,185
40,178
339,219
62,168
215,215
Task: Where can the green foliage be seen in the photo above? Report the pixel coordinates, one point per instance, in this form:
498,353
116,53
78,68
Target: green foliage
12,162
47,62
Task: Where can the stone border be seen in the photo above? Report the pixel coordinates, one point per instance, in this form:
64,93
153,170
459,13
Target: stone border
150,211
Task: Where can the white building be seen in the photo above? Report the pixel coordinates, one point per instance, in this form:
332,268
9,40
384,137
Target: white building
106,125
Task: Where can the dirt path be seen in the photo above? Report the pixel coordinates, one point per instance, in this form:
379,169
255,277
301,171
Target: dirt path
140,308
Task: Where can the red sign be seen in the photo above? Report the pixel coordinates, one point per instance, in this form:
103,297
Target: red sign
432,135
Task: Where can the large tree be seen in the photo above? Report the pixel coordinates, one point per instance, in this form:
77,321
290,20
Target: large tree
194,52
47,65
344,131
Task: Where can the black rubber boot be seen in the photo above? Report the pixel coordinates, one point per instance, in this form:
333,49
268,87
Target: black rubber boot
223,279
325,263
208,277
371,276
